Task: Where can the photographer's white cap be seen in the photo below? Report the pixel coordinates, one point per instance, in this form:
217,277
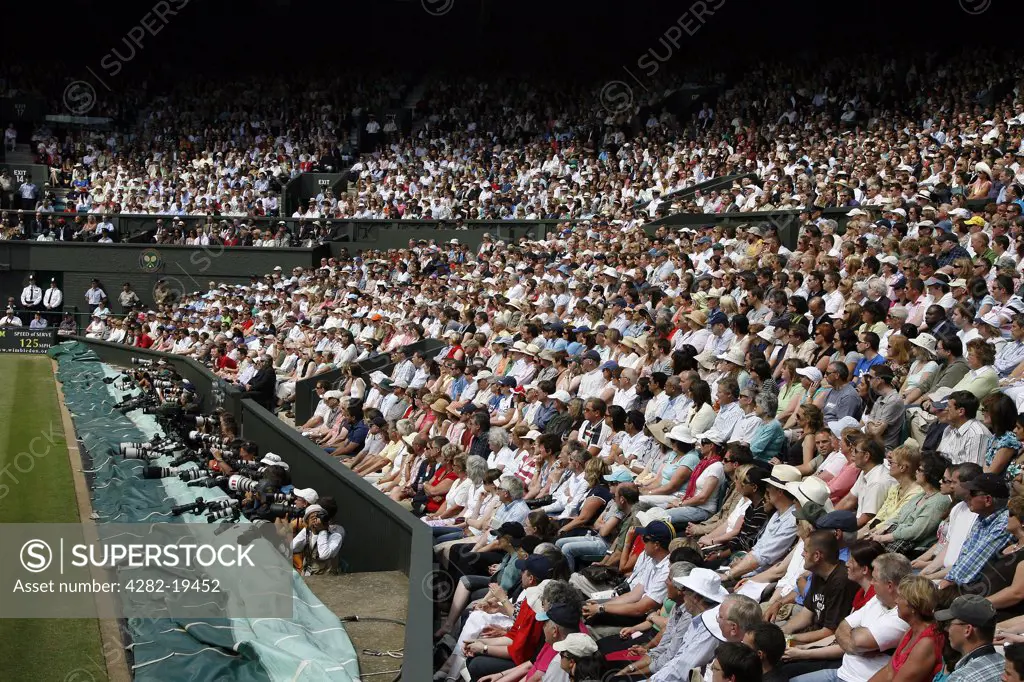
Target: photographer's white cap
270,459
307,494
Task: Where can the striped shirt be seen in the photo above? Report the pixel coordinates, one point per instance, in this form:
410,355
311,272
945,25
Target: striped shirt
966,443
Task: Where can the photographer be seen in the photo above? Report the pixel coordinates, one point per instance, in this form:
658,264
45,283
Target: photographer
248,452
320,541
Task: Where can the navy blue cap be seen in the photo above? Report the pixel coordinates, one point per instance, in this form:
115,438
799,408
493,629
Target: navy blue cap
508,381
538,565
656,530
718,318
844,520
619,302
592,355
561,614
513,530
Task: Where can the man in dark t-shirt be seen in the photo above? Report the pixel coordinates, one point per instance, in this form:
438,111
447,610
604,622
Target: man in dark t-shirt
830,596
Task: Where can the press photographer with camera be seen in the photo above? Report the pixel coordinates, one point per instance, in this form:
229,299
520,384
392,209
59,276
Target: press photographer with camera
222,461
319,542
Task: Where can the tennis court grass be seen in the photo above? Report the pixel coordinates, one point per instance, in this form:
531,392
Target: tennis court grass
41,650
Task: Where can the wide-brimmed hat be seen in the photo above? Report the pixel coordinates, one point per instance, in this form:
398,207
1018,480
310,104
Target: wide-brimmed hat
704,582
681,433
811,489
660,431
783,474
926,341
733,355
440,405
698,317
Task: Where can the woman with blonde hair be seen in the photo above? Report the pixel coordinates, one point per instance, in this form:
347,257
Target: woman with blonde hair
918,656
727,304
903,463
898,358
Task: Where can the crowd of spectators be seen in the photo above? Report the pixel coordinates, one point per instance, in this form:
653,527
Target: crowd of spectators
644,453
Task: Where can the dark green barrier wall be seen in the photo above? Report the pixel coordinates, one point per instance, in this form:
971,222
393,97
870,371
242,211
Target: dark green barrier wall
186,268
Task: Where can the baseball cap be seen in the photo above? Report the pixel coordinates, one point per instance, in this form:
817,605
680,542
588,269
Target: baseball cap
810,512
561,396
656,530
989,484
307,494
577,644
508,381
514,531
718,318
844,520
972,609
619,474
611,364
812,373
592,355
561,614
537,564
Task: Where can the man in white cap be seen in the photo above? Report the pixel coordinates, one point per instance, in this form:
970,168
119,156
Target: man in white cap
319,542
779,533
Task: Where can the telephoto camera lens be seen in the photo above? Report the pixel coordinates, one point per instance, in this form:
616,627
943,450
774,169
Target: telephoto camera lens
159,472
136,451
192,474
220,514
239,483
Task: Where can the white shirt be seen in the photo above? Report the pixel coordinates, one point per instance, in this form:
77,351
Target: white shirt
591,384
871,489
886,628
31,295
52,298
961,520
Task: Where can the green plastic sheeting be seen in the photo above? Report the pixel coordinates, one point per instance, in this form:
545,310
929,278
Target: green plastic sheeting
313,646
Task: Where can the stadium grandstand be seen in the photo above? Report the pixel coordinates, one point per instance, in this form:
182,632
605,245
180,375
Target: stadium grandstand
744,399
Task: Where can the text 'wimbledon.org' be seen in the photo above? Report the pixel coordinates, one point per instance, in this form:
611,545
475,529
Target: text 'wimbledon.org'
142,570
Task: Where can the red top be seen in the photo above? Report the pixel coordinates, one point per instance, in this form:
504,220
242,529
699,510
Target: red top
224,361
144,341
862,597
527,635
442,474
906,645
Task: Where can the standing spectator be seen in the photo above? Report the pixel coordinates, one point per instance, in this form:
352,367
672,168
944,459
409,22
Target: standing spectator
29,193
127,298
10,138
94,295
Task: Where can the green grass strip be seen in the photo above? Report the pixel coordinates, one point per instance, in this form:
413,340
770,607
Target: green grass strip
34,450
